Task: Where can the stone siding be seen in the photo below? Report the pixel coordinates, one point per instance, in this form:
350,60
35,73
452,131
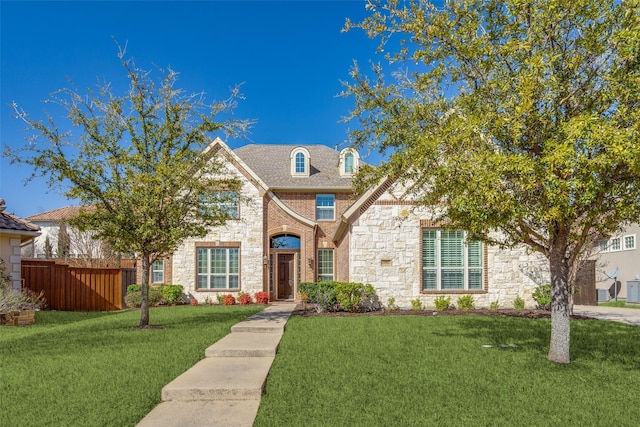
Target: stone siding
386,252
247,230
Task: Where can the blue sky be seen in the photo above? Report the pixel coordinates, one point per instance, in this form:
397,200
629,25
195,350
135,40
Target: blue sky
289,55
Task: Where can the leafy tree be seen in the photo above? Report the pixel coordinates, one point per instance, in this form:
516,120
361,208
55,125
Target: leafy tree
64,241
521,117
48,248
139,162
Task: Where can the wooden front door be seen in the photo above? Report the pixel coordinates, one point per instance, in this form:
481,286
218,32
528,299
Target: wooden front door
285,276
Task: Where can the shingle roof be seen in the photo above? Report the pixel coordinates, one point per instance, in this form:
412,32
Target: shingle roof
11,222
57,214
273,165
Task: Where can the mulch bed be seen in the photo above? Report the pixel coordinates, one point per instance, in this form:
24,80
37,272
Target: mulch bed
310,311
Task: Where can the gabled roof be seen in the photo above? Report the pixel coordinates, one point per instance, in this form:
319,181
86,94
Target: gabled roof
11,224
271,162
56,215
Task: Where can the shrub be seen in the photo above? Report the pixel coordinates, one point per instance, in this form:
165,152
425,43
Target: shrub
133,288
335,296
353,296
391,305
262,297
134,299
172,293
518,303
494,305
442,303
542,295
416,304
229,300
220,298
244,299
466,303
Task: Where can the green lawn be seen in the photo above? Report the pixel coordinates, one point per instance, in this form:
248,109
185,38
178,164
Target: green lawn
94,369
435,371
619,303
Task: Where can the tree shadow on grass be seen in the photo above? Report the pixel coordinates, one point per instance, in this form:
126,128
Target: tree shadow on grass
591,340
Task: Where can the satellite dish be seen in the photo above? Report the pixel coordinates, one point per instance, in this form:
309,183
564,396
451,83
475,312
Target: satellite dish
613,274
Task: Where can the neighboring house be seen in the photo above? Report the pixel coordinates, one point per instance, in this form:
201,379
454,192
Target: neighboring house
14,233
619,257
296,219
49,223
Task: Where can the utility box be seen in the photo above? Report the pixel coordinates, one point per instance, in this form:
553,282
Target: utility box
603,295
633,291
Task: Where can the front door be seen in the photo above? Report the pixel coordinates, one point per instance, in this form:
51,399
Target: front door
285,276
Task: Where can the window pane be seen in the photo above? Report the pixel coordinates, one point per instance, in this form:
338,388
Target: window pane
202,261
452,248
299,162
474,249
218,261
615,244
475,278
452,278
157,269
429,248
429,279
202,282
348,163
603,245
233,261
630,242
325,264
325,204
219,282
233,282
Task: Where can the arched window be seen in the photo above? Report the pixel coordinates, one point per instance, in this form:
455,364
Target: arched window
348,163
349,159
285,241
300,162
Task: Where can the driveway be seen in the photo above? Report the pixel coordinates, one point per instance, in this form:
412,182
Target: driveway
630,316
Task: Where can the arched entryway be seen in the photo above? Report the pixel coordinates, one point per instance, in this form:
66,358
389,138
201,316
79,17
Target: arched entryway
284,255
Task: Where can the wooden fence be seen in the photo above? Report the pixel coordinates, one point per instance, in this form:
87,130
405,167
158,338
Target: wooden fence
77,288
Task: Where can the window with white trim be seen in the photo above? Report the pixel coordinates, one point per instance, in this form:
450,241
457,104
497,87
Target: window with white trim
325,265
157,271
218,268
603,245
615,244
325,207
349,162
226,201
300,162
629,242
450,262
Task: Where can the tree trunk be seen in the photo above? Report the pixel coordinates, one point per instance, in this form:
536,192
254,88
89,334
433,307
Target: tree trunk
144,287
560,316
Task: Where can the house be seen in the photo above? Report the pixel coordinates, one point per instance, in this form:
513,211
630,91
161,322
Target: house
14,233
618,259
296,219
50,223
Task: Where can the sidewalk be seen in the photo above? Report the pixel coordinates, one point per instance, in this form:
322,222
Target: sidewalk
630,316
224,389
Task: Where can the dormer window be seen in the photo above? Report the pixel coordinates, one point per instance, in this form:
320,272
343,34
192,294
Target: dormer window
349,160
300,162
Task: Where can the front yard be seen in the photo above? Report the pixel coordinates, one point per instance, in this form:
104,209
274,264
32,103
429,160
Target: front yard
94,369
450,371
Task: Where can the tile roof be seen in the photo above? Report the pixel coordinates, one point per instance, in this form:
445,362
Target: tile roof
57,214
272,164
11,222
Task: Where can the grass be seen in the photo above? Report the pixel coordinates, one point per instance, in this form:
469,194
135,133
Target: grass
619,303
420,371
95,369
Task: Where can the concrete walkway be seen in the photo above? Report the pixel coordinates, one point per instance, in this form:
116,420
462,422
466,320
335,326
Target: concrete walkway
224,389
630,316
